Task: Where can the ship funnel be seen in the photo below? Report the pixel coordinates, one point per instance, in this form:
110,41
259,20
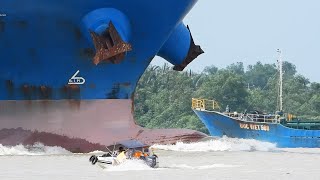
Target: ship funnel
109,31
180,49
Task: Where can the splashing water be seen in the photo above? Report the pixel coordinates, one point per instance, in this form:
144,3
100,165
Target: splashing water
36,149
130,165
137,165
220,144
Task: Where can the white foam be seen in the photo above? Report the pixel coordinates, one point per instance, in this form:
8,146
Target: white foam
36,149
138,165
94,152
130,165
220,144
184,166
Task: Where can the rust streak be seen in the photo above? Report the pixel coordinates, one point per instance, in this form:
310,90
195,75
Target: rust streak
9,84
72,87
2,26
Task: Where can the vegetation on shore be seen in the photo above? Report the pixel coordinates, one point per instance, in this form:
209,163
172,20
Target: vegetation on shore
163,96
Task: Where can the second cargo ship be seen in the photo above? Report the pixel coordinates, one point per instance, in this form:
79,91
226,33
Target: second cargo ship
283,129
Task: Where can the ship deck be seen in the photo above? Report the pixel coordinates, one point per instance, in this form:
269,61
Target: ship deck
286,119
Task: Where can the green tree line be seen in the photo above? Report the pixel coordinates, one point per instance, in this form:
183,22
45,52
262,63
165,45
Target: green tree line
163,96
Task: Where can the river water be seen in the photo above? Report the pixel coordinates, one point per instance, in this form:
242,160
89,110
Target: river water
222,158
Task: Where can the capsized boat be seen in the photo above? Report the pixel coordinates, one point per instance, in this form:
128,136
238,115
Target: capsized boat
124,151
284,129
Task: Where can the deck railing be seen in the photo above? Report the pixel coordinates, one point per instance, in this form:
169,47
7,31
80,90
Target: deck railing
205,104
266,118
212,105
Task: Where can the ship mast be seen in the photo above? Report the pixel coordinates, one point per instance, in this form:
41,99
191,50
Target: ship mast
280,79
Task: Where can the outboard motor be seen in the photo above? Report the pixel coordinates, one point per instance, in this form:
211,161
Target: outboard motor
151,161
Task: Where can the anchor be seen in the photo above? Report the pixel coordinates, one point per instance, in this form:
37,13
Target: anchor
109,46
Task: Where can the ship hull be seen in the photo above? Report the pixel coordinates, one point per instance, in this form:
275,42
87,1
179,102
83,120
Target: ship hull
219,124
69,69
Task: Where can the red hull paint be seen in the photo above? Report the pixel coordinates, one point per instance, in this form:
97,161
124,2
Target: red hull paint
79,126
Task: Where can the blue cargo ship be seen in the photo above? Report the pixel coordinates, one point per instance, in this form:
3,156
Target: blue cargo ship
280,128
69,68
266,128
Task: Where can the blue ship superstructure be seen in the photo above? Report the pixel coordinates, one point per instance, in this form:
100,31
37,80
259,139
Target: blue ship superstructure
70,68
283,131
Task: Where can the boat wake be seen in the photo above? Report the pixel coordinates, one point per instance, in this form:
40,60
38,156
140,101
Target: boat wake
219,144
184,166
136,165
36,149
130,165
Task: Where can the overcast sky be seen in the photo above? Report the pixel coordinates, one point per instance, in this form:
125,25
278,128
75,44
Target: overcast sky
231,31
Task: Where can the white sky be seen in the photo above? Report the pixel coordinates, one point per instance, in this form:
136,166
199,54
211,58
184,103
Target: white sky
230,31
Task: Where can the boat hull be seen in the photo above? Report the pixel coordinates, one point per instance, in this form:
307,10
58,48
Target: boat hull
219,124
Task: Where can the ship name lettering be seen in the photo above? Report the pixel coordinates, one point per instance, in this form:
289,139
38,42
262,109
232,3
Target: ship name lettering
244,126
256,127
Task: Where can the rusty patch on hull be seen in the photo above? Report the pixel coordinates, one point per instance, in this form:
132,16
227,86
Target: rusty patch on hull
42,92
109,46
31,91
70,91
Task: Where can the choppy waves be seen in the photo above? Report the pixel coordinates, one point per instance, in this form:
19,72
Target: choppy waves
220,144
36,149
